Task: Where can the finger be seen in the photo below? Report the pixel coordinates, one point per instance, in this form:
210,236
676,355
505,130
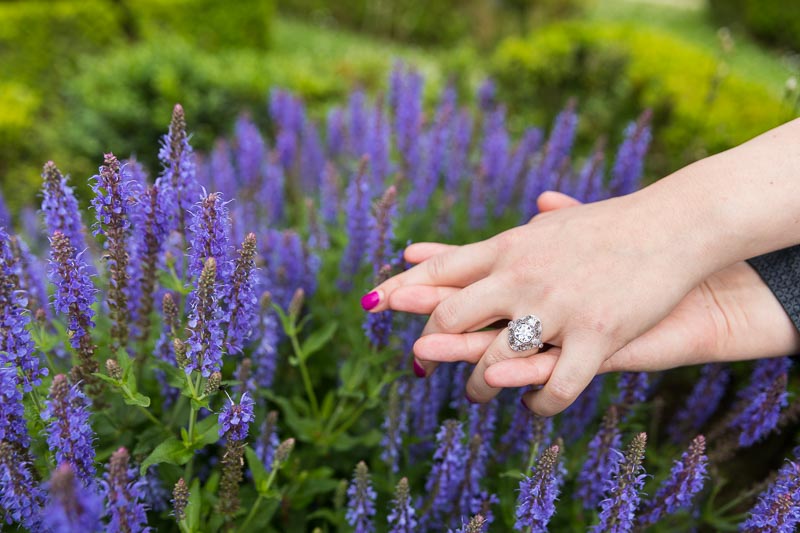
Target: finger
473,307
478,390
449,348
458,267
419,299
533,370
577,365
553,200
421,251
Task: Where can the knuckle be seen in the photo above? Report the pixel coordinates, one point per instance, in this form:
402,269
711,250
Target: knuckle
445,317
436,266
562,392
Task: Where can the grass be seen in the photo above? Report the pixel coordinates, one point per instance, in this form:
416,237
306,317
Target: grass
689,20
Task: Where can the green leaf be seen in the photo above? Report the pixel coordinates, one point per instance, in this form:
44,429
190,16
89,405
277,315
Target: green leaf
138,399
318,339
207,431
257,469
107,379
193,508
175,376
199,404
124,361
171,451
286,321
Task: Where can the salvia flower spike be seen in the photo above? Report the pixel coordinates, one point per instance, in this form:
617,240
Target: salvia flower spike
618,510
361,501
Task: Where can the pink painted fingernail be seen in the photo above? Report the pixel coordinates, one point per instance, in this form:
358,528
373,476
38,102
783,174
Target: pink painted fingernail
418,370
370,300
470,400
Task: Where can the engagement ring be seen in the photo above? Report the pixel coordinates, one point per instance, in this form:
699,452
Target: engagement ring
525,333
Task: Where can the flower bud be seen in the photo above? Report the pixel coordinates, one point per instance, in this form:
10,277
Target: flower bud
297,302
180,353
113,369
283,452
212,385
180,498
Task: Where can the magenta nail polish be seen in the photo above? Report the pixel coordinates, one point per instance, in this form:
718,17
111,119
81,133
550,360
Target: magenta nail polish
470,400
370,300
418,370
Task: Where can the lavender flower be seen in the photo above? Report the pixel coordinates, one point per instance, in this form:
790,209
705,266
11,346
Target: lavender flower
701,403
71,506
16,345
447,473
204,345
60,207
265,353
20,495
361,501
210,229
180,499
433,393
476,524
74,296
582,412
156,495
676,492
458,156
760,416
629,163
234,420
618,510
268,441
778,507
357,215
113,196
357,124
150,232
544,175
525,430
395,425
495,158
632,387
401,518
312,163
406,101
590,186
29,275
335,132
538,492
178,179
329,195
600,460
517,163
487,95
378,326
477,459
69,433
124,493
5,216
241,299
13,428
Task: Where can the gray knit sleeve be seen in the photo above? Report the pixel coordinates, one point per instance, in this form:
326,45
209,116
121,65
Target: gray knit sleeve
781,272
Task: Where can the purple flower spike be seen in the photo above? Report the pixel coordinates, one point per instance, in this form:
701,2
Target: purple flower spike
760,403
178,178
676,492
361,501
204,345
447,473
69,433
487,95
618,510
124,493
335,132
60,207
629,163
778,507
589,185
600,460
268,440
71,506
235,420
210,229
701,403
16,345
632,391
357,216
395,425
538,492
378,326
458,157
241,298
401,518
518,164
21,498
13,428
495,159
582,411
544,175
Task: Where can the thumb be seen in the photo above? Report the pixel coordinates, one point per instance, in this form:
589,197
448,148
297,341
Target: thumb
552,200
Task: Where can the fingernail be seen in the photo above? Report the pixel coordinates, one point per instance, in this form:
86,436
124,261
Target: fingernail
470,400
418,370
370,300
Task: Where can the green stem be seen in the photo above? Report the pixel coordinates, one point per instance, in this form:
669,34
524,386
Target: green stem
192,419
261,493
350,421
183,527
312,397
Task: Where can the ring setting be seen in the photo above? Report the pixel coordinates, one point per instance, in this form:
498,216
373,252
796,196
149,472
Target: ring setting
525,333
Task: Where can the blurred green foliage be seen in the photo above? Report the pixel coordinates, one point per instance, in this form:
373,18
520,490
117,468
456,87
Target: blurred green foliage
776,22
121,59
616,71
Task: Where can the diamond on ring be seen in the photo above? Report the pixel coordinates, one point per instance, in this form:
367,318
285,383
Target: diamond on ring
525,333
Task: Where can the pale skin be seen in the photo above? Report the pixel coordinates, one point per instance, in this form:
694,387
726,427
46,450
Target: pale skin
647,281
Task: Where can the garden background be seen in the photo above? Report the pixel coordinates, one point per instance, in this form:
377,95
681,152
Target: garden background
82,78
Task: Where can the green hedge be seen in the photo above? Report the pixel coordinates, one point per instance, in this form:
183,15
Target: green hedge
776,22
615,71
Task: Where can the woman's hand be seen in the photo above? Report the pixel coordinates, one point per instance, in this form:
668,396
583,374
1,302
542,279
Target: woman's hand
732,315
597,275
